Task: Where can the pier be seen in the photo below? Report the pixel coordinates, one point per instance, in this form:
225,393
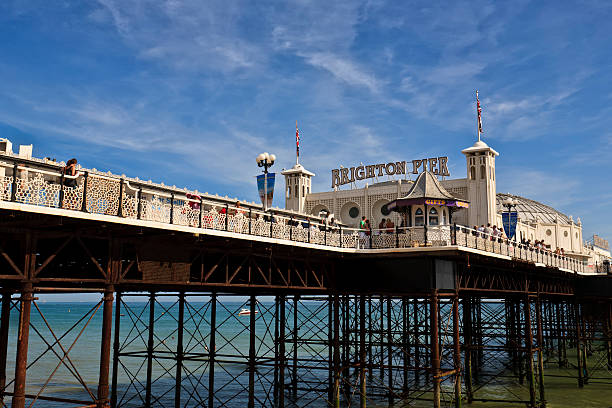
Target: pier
336,318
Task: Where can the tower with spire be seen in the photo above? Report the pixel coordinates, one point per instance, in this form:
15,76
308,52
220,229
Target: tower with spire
481,184
298,181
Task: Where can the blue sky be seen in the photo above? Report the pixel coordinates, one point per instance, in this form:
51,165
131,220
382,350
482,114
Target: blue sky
189,92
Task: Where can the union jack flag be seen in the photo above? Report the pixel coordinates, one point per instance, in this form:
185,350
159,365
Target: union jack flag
297,139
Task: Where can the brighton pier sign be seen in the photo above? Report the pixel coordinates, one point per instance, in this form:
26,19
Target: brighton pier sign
346,175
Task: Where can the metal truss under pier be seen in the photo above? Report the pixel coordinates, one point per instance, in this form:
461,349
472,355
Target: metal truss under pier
185,320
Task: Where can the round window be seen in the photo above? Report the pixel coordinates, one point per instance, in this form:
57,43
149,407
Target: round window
354,212
548,232
384,210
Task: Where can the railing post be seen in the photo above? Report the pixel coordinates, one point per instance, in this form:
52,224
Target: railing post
371,237
340,234
324,234
60,203
120,206
291,228
227,217
85,185
396,237
271,224
425,233
250,220
171,208
309,230
14,183
454,234
201,213
139,208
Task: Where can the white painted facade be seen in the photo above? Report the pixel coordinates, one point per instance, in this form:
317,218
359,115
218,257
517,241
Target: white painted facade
536,220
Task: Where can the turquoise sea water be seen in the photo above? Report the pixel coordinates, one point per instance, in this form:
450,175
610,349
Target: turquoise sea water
232,348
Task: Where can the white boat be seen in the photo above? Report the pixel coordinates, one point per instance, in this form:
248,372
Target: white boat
246,312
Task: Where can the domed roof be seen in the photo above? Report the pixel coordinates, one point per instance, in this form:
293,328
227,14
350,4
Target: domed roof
533,211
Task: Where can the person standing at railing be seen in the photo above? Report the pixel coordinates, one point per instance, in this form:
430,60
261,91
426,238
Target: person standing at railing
382,225
70,170
390,226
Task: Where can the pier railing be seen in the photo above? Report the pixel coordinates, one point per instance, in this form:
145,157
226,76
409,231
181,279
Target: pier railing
39,183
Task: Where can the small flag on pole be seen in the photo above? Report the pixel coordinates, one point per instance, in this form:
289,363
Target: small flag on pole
479,111
297,143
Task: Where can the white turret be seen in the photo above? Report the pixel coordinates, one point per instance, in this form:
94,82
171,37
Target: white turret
298,183
481,185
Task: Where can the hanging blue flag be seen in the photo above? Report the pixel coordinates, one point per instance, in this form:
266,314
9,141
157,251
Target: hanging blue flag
510,219
269,190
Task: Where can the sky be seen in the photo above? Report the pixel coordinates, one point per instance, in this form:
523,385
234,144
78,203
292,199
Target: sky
189,92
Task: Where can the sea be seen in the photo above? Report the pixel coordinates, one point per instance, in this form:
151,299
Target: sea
64,356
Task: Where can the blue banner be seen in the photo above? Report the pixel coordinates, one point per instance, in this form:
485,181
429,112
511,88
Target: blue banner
510,219
269,189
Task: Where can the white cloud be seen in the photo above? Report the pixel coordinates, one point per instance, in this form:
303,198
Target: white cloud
345,70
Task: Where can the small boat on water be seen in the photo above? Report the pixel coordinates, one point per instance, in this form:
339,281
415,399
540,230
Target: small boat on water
246,312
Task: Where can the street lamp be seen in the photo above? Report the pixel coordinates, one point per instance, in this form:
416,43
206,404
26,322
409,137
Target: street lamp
266,161
510,203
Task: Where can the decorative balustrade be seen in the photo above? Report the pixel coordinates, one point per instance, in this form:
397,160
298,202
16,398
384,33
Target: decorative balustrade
41,184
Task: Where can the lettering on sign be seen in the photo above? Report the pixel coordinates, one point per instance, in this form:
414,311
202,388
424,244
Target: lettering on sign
437,165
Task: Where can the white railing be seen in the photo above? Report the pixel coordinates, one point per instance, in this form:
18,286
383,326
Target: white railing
34,184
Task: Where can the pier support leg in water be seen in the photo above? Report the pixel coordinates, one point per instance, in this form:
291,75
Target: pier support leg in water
212,349
529,347
179,350
116,347
435,349
4,332
457,351
21,361
577,323
362,353
336,402
253,303
540,354
390,350
281,353
150,347
105,347
467,342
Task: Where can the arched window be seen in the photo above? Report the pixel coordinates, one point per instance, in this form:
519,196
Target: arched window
433,216
473,173
419,218
483,172
304,190
288,191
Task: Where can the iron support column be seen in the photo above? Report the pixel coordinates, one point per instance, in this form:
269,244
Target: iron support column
150,347
336,351
212,350
253,305
281,351
4,332
362,353
457,351
179,350
540,353
578,343
467,342
529,345
21,363
116,348
105,347
435,349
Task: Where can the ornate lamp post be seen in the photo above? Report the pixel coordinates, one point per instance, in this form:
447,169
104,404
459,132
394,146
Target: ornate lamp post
510,203
266,161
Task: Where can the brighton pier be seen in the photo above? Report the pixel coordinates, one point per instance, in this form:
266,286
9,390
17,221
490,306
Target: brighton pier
334,317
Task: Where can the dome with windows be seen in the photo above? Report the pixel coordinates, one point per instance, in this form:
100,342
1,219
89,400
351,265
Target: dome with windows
531,211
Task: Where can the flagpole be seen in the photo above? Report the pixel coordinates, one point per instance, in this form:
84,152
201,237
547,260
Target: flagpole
477,115
297,145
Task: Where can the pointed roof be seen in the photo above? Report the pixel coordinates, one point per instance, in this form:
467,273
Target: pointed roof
297,169
479,146
428,186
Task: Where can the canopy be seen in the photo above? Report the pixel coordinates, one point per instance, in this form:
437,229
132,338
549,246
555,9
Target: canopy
427,190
